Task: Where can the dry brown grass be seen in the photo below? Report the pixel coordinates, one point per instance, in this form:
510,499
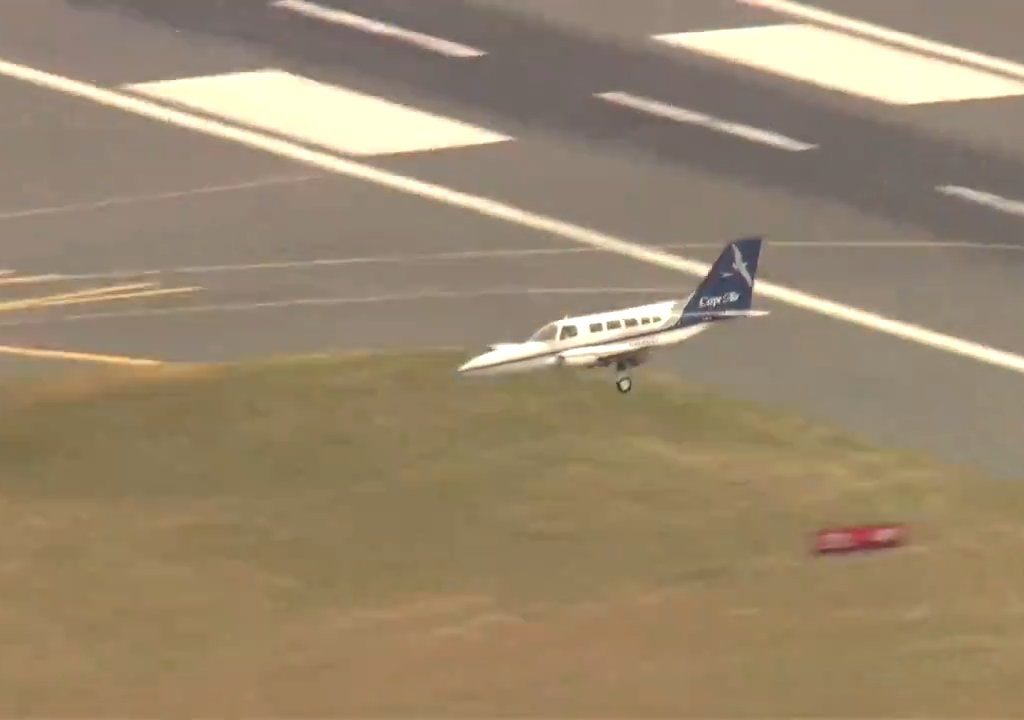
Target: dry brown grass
375,536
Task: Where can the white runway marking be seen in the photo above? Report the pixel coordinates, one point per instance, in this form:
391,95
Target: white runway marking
896,37
154,197
320,114
841,62
996,202
376,27
692,117
506,213
352,300
500,253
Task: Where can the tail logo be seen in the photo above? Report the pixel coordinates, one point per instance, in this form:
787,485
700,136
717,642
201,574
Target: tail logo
715,301
739,265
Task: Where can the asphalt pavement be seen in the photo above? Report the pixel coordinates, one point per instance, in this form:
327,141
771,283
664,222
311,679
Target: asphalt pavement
259,255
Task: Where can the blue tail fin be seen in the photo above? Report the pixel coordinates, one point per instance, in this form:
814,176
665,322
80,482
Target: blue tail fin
729,285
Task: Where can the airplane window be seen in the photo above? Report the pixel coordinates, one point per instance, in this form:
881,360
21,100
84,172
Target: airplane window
656,320
546,333
630,322
613,324
645,321
568,331
596,327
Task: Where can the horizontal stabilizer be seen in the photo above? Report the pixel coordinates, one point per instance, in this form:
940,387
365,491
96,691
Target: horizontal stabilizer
724,314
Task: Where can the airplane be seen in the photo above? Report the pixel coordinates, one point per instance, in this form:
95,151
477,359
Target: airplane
624,338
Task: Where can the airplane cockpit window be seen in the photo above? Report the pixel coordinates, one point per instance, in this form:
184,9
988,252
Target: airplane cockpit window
546,333
568,331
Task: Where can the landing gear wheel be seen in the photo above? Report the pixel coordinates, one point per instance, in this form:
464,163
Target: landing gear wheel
624,384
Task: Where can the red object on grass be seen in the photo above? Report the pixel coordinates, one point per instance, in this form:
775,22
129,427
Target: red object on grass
859,537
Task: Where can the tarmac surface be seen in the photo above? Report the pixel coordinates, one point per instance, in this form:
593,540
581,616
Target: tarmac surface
208,250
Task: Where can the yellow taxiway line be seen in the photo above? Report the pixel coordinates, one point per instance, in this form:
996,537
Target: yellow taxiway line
96,294
80,356
55,299
111,292
119,296
27,279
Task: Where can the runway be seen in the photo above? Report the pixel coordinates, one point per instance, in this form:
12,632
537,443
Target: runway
223,251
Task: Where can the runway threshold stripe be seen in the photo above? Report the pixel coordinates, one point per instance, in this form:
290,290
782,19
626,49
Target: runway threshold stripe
847,63
895,37
377,27
692,117
327,116
505,212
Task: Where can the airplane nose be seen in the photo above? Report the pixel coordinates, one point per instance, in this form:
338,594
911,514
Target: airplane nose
478,362
470,364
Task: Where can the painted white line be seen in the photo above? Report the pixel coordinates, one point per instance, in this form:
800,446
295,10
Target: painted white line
154,197
330,301
505,212
499,253
328,116
692,117
376,27
997,202
845,63
896,37
403,259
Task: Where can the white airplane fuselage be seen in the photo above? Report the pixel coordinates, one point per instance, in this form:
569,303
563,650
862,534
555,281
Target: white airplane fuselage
624,338
570,337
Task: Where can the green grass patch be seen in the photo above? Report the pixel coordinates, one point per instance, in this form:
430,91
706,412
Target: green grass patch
374,535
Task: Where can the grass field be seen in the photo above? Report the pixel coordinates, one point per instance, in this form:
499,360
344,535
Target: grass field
370,536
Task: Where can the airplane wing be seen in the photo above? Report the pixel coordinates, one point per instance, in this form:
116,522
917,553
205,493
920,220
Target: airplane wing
608,353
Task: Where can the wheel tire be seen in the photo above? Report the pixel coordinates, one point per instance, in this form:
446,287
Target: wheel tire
624,385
